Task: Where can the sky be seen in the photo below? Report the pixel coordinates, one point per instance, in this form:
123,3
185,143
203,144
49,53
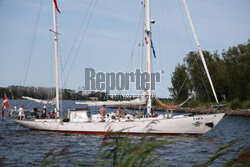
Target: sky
110,38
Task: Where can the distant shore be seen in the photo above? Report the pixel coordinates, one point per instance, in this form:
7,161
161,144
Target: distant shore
227,111
204,110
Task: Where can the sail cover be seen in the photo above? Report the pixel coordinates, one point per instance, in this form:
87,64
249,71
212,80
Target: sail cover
51,102
139,101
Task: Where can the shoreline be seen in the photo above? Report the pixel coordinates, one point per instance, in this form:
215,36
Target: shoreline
227,111
204,110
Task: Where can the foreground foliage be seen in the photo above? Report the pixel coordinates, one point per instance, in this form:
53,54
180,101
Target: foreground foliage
241,157
117,150
129,151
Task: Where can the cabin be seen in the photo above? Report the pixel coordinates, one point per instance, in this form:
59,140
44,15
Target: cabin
79,115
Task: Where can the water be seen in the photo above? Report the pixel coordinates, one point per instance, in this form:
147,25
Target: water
22,147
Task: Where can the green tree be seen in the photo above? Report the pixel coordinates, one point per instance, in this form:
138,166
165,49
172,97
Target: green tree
198,75
180,83
237,64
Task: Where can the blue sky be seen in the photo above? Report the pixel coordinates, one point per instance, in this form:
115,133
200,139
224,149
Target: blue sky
109,40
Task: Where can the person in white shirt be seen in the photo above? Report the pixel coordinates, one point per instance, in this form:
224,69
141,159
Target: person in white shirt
21,114
45,113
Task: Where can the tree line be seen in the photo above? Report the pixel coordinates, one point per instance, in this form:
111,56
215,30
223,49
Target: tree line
16,92
229,72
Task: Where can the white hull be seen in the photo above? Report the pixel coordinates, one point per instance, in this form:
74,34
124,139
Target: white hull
82,121
198,124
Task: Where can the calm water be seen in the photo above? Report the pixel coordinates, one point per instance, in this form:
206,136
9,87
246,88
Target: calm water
22,147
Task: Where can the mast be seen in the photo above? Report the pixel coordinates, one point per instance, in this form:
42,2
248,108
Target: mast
200,52
148,52
56,57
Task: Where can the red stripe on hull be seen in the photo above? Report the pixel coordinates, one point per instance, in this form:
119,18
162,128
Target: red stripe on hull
119,133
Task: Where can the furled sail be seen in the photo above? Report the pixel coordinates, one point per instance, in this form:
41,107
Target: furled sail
51,102
139,101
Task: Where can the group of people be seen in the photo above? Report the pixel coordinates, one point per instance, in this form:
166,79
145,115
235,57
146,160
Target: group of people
35,112
119,113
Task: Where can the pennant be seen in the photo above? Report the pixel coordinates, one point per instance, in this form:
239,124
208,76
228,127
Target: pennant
153,49
5,105
56,6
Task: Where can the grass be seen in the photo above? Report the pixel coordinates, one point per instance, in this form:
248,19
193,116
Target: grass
141,151
241,157
127,151
53,157
116,150
235,104
246,104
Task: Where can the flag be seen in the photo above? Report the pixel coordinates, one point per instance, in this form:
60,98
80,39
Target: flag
146,40
56,6
5,105
153,49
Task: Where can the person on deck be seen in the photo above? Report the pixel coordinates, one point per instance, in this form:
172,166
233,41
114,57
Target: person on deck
144,112
52,115
103,112
44,112
35,112
10,112
118,113
21,114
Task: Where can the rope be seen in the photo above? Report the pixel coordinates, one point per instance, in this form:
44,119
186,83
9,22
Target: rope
185,25
142,48
129,66
77,35
60,79
33,39
83,35
11,93
143,60
196,63
178,93
51,60
173,27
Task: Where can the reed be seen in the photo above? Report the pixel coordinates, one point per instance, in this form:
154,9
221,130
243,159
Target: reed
142,151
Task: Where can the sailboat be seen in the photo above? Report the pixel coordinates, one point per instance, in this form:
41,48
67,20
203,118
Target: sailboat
82,121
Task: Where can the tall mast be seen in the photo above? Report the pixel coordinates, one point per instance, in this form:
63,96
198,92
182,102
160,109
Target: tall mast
148,52
56,57
200,51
